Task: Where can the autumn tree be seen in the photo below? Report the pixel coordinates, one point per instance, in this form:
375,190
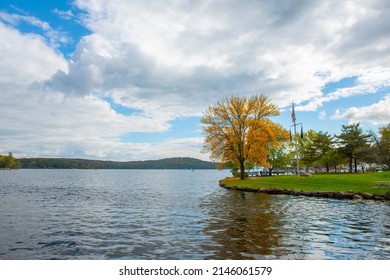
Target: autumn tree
9,162
238,131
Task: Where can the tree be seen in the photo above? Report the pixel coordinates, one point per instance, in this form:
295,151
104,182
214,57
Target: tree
382,143
238,131
9,162
335,159
2,161
352,143
317,149
279,157
323,149
305,148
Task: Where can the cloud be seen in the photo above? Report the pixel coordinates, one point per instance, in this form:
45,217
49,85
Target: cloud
15,19
322,115
169,60
54,37
49,122
368,82
367,40
67,15
25,59
41,122
377,114
207,50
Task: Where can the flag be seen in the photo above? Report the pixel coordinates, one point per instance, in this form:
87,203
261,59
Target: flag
293,113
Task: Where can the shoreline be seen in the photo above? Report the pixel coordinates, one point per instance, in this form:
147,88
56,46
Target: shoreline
324,194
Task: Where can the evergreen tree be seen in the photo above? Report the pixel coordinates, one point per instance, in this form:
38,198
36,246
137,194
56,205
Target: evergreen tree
352,144
323,149
305,147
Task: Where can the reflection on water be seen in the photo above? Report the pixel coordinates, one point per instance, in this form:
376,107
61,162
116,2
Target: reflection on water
260,226
243,226
167,214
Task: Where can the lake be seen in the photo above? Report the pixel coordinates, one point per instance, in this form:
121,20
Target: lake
177,214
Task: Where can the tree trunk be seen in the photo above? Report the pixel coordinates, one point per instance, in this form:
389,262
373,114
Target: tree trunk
242,170
355,163
350,165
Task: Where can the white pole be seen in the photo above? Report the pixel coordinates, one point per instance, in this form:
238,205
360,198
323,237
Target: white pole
295,137
296,147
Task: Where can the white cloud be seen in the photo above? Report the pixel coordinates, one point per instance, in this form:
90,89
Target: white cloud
377,114
172,59
15,19
25,58
368,82
322,115
54,37
67,15
38,122
209,49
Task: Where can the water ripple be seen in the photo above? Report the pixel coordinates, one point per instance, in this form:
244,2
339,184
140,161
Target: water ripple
140,214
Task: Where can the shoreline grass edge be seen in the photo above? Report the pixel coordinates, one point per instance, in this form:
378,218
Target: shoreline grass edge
338,186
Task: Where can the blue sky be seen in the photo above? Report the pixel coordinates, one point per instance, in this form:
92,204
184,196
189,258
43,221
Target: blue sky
129,80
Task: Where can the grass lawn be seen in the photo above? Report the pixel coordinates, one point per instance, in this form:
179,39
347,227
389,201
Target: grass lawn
373,183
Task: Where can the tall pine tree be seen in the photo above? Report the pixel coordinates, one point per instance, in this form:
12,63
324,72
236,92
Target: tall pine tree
353,143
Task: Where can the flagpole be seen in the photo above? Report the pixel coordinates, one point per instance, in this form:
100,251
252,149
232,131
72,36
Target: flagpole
295,136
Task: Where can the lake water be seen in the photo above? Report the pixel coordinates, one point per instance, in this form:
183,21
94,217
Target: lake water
177,214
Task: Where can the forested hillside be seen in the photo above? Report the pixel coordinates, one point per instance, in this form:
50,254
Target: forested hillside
67,163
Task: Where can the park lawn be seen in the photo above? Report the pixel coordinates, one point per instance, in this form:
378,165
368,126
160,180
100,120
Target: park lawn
373,183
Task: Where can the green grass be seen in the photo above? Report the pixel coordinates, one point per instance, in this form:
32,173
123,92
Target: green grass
373,183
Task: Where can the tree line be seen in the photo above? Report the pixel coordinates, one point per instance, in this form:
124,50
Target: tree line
351,148
240,135
68,163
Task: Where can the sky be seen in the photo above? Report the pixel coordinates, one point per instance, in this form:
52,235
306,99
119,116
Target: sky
129,80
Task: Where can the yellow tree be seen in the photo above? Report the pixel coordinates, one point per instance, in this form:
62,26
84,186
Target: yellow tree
238,131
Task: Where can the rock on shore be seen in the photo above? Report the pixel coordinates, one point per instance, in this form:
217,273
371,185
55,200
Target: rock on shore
338,195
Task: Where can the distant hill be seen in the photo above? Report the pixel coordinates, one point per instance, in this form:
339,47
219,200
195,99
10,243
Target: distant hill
68,163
